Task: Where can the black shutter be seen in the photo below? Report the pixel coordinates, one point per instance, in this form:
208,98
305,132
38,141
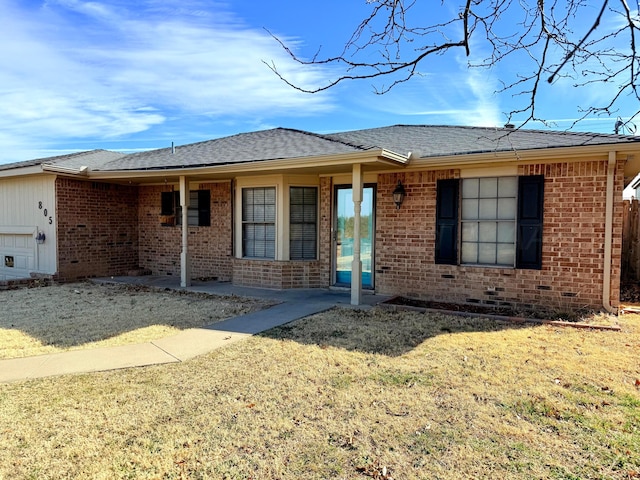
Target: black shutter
447,221
166,203
204,208
530,212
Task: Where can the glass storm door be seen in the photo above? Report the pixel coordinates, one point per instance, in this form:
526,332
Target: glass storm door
343,236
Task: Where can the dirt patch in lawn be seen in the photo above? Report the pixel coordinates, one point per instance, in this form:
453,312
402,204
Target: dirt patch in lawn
35,321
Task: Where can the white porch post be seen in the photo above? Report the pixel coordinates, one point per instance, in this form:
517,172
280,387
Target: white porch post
356,264
185,261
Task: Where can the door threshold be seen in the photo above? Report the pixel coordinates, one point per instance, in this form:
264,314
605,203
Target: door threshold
340,288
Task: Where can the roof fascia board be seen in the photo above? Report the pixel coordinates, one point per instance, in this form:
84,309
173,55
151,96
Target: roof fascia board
545,155
22,171
376,156
82,171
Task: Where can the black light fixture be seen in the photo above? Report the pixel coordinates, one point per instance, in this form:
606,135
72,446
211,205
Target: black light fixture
398,194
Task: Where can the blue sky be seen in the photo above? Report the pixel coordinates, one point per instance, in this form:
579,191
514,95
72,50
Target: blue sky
133,75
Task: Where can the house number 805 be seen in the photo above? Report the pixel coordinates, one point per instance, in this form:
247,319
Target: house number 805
45,212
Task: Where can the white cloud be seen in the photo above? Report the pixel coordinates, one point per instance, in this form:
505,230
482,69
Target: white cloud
455,95
76,69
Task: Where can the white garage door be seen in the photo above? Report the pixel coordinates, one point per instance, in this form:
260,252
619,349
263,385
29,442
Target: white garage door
17,256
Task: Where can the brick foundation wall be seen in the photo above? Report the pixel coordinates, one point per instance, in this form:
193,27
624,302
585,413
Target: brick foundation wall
277,274
209,247
97,231
573,244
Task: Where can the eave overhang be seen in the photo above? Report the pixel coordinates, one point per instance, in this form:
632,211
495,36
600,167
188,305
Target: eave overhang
21,172
370,160
630,152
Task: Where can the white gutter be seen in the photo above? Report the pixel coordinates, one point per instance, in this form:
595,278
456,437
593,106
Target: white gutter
608,234
83,170
546,155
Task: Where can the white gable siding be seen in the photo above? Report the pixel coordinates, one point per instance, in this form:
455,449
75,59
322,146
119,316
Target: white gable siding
27,206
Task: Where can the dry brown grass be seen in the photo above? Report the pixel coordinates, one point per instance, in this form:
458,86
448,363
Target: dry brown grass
346,395
35,321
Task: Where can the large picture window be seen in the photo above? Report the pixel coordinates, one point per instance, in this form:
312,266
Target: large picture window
259,222
303,223
499,220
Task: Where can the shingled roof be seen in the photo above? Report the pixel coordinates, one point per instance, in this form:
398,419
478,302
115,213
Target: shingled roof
92,159
437,140
274,144
422,140
425,141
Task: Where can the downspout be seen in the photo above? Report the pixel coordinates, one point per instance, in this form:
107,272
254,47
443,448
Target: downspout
608,234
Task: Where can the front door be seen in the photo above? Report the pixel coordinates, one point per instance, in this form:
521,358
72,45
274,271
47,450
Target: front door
343,235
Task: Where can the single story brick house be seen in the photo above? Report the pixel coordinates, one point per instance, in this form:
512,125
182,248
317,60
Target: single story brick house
500,217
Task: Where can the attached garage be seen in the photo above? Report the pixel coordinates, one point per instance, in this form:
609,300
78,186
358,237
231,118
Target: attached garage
17,253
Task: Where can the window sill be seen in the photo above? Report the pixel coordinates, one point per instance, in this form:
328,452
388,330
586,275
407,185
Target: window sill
484,265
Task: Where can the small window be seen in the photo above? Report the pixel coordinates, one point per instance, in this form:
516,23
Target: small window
199,212
169,202
303,223
259,222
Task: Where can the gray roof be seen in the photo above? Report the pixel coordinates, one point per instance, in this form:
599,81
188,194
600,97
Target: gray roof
92,159
435,141
422,140
278,143
282,143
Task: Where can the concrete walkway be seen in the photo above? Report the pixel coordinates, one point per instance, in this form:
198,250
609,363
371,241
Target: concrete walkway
293,304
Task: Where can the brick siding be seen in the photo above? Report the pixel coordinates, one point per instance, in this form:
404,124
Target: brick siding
325,227
277,274
108,229
97,230
573,244
209,247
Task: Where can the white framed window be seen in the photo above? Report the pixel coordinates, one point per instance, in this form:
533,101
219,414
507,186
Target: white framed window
488,221
259,222
303,223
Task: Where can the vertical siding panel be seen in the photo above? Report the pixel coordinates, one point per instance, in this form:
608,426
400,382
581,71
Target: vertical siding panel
19,207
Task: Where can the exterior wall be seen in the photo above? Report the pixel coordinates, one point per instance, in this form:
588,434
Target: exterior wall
573,244
209,247
96,229
325,227
277,274
23,204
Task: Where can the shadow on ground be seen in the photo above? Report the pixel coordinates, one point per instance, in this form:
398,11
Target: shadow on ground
72,315
381,331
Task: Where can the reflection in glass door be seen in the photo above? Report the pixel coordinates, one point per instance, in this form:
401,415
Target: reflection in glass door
343,238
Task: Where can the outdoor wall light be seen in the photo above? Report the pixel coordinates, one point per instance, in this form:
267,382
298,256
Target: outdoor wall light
399,194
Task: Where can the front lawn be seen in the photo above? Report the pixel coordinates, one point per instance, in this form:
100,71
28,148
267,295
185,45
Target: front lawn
347,395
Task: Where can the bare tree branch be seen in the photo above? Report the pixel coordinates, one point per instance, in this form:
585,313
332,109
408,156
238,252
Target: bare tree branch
551,40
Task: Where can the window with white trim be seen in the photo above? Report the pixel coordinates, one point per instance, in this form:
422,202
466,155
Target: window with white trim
303,223
488,221
259,222
494,221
